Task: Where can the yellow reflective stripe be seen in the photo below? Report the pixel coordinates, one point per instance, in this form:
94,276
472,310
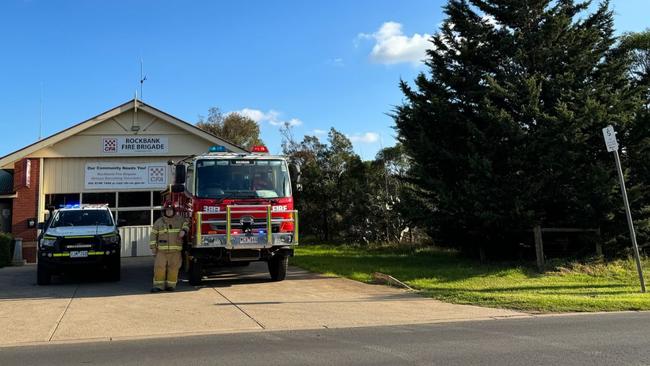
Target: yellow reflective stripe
95,253
152,242
81,236
49,237
168,231
170,247
61,254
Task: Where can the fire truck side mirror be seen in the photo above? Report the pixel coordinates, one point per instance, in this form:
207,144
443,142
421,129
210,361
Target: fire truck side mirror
294,172
180,174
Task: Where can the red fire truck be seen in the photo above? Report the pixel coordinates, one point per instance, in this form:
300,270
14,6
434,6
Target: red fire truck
240,208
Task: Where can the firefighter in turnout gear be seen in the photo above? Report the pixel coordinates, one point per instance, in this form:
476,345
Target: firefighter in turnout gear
166,243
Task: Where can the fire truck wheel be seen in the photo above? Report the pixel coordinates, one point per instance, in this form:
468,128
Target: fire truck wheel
278,265
195,273
43,275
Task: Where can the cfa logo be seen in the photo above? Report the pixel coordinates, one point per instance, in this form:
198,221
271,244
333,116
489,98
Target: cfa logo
157,174
110,145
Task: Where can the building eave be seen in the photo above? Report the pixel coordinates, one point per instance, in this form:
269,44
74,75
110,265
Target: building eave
7,161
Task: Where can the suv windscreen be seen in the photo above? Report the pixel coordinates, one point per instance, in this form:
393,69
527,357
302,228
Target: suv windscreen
82,218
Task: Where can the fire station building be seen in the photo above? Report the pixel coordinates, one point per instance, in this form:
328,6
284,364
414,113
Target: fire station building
117,158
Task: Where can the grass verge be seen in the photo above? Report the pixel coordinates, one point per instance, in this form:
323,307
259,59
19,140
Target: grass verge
596,286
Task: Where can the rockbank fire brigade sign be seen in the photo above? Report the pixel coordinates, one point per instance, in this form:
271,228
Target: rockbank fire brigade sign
121,145
125,176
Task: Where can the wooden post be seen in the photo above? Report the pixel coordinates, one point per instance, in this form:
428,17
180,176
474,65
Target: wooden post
539,247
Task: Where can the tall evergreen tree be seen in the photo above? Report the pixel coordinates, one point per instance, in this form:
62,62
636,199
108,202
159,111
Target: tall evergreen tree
505,129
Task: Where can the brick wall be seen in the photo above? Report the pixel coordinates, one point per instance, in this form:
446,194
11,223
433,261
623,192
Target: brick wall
25,207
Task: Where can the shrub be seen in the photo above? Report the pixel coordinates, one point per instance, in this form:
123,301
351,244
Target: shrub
5,249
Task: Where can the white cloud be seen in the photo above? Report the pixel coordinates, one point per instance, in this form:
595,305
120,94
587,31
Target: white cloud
392,46
364,138
319,132
337,62
292,122
273,117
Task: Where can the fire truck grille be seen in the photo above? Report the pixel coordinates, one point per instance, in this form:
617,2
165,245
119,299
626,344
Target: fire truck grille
257,224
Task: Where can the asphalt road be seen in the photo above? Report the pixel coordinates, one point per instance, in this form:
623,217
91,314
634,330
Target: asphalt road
597,339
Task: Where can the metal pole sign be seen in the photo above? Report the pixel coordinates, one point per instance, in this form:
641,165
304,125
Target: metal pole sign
612,146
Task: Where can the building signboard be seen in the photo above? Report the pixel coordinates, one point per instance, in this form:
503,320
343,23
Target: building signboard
134,144
106,175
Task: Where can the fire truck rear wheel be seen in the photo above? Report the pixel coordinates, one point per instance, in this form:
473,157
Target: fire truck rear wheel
195,273
278,265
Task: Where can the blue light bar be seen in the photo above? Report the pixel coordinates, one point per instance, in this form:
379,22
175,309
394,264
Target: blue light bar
217,148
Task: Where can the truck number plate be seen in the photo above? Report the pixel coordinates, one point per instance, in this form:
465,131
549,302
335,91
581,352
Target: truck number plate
79,254
248,240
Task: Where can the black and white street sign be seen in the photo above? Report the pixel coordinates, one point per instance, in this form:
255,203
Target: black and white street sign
612,146
610,138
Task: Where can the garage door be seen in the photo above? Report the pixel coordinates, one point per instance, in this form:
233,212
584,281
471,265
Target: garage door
135,241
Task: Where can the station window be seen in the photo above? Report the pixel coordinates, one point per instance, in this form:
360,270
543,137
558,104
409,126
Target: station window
157,199
131,208
61,199
100,198
156,215
135,199
135,218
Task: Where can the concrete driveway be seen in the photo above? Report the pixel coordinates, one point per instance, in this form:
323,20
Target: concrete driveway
238,300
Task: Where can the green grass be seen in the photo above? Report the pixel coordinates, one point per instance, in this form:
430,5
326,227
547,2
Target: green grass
446,276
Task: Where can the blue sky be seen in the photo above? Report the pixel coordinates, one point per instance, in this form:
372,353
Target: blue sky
318,64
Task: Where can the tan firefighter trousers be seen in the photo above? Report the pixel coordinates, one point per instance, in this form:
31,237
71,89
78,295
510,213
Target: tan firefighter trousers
165,269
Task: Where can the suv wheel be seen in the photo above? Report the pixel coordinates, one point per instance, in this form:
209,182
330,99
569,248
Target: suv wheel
43,275
114,270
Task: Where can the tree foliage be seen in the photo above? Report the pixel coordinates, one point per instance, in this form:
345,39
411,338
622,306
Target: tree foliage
232,127
504,129
343,197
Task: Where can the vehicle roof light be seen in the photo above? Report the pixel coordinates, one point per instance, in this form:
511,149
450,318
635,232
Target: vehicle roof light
259,149
217,148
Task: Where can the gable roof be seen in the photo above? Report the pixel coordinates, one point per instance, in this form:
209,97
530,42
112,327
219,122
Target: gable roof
131,104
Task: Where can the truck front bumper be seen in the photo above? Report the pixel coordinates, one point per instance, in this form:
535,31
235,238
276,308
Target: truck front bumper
246,241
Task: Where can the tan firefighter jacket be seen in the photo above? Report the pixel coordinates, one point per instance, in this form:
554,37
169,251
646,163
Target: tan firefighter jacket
164,234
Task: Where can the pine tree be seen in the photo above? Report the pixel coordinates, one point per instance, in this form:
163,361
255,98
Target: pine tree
505,129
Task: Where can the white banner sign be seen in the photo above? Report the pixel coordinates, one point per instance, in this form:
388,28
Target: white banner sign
125,176
116,145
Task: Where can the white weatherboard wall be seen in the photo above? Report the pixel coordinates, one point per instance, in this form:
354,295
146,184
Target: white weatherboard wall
135,241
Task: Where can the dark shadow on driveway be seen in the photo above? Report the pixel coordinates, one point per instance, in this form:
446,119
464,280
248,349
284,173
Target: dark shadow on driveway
19,283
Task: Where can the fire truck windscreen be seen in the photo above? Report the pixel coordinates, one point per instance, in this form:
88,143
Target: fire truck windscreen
242,178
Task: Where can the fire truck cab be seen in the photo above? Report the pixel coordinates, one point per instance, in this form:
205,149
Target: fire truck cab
240,208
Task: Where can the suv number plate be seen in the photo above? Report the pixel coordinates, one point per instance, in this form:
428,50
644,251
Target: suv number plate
248,240
79,254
